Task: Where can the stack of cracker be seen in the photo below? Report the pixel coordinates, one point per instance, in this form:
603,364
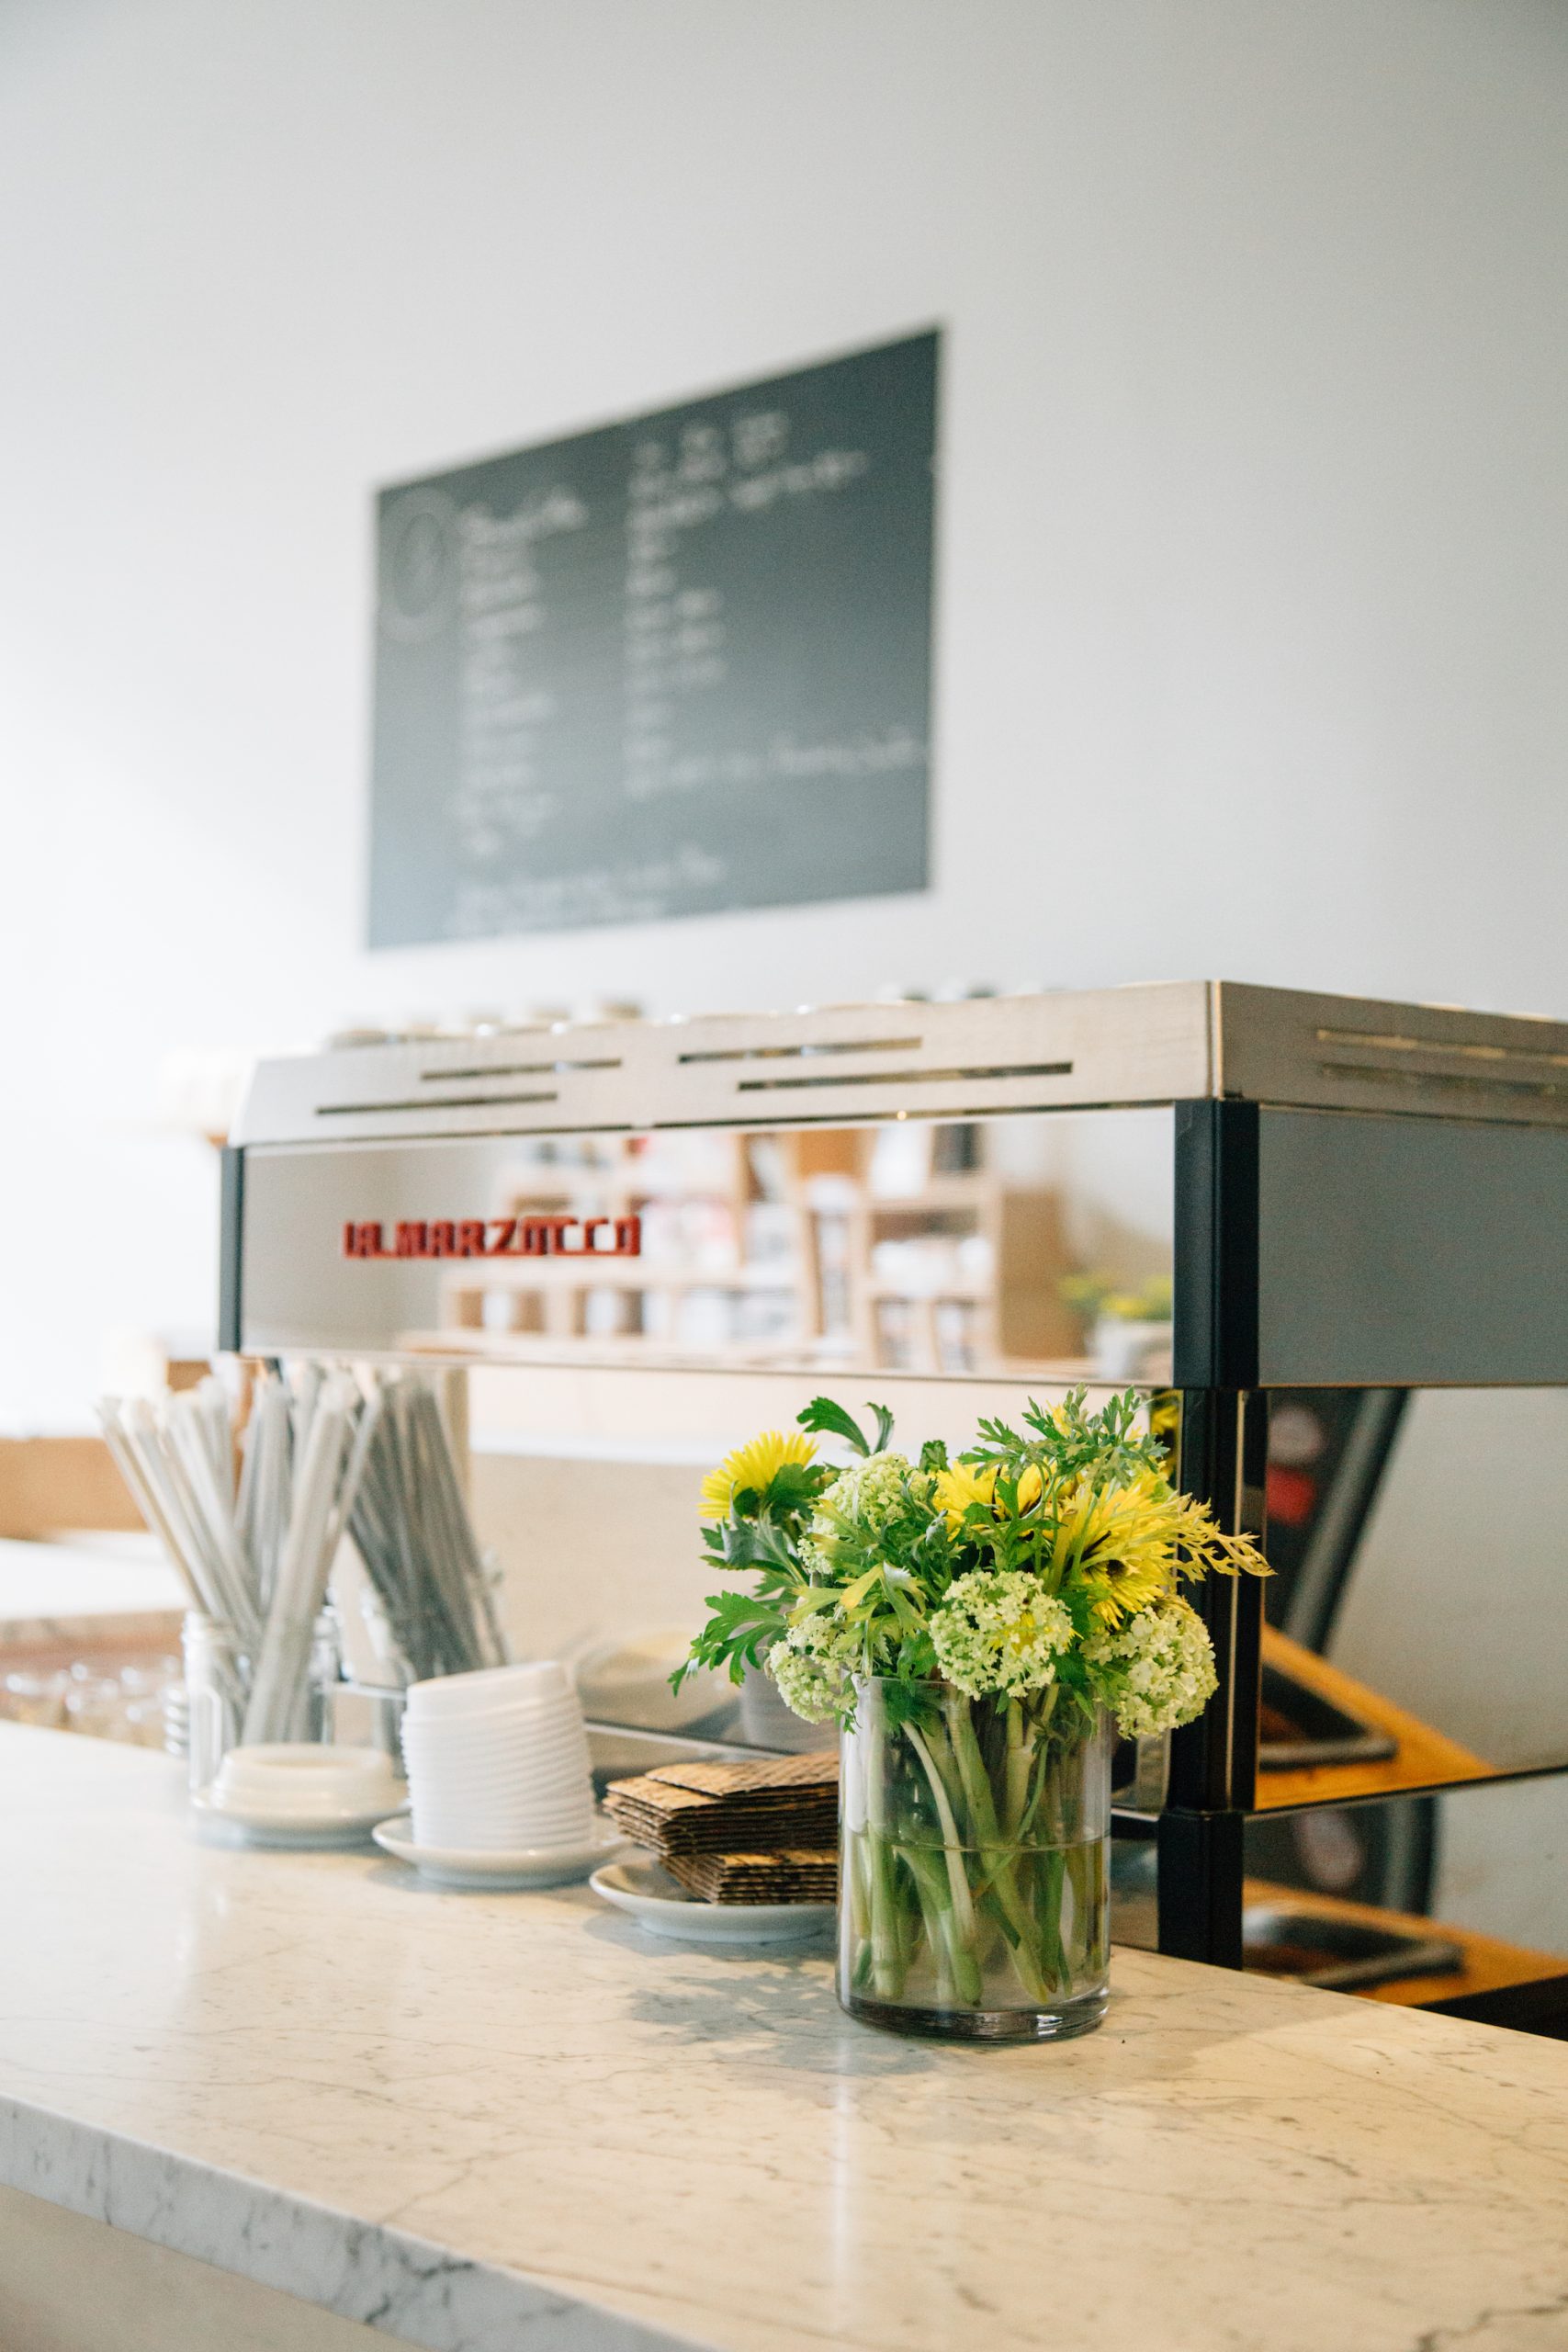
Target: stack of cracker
762,1832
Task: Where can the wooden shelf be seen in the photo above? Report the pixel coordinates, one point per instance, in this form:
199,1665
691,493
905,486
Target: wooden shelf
1422,1758
1487,1962
843,1308
942,1295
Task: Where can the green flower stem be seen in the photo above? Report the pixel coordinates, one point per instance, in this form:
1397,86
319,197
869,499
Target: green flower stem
885,1916
999,1858
960,1980
963,1905
1048,1912
961,1927
949,1770
1020,1757
972,1774
1024,1936
889,1958
854,1867
1084,1879
1047,1753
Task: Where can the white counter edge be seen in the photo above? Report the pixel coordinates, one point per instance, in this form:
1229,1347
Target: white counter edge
383,2277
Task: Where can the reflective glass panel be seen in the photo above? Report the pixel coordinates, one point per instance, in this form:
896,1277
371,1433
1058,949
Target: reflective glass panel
1453,1897
1417,1618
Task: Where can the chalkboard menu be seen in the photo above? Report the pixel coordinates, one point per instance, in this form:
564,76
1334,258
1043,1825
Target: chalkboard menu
668,667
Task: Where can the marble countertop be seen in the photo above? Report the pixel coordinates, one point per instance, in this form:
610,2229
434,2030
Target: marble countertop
460,2116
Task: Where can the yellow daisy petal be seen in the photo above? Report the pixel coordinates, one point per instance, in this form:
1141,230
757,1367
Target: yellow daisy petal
957,1487
1124,1540
753,1467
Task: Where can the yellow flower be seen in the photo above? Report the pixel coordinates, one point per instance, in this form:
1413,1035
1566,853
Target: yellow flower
753,1467
959,1485
1123,1539
1131,1547
1030,1487
1123,1587
1165,1416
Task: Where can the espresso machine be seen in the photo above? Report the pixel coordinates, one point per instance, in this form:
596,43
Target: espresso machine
1327,1238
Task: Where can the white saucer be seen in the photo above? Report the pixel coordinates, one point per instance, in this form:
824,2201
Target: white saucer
294,1828
497,1870
661,1905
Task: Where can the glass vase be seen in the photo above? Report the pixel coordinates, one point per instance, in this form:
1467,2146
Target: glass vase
973,1894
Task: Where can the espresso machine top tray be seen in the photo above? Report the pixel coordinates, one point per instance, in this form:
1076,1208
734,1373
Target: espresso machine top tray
1164,1041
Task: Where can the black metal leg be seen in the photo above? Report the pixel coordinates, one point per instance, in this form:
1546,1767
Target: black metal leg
1225,1443
1214,1762
1200,1867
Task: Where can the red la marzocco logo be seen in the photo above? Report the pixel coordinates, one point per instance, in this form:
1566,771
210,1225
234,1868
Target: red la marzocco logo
496,1237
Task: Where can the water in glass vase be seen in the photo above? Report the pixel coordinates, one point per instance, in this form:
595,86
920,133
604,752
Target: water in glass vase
973,1876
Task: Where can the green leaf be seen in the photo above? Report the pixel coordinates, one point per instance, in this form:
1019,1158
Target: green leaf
757,1543
738,1624
818,1597
793,1487
905,1610
1071,1672
824,1418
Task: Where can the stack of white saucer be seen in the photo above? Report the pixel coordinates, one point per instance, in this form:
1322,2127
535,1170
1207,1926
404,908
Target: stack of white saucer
300,1793
498,1761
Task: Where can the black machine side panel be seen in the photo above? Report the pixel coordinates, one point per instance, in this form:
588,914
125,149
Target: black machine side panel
230,1250
1408,1252
1324,1248
1215,1343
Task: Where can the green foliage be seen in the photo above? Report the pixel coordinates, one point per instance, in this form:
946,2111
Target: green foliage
750,1543
824,1418
1094,1296
792,1492
1069,1442
740,1626
849,1568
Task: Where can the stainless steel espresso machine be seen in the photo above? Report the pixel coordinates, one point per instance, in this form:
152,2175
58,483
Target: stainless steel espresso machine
1329,1237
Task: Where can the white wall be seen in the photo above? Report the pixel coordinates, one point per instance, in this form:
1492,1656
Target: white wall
1253,534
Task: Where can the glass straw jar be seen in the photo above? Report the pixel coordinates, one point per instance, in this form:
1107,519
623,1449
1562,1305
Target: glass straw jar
215,1696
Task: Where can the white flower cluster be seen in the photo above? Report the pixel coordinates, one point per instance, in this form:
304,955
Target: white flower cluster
870,1493
811,1663
997,1629
1156,1671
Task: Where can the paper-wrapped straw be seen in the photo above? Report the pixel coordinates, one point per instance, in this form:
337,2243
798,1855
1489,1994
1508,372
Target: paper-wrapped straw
318,1461
303,1570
